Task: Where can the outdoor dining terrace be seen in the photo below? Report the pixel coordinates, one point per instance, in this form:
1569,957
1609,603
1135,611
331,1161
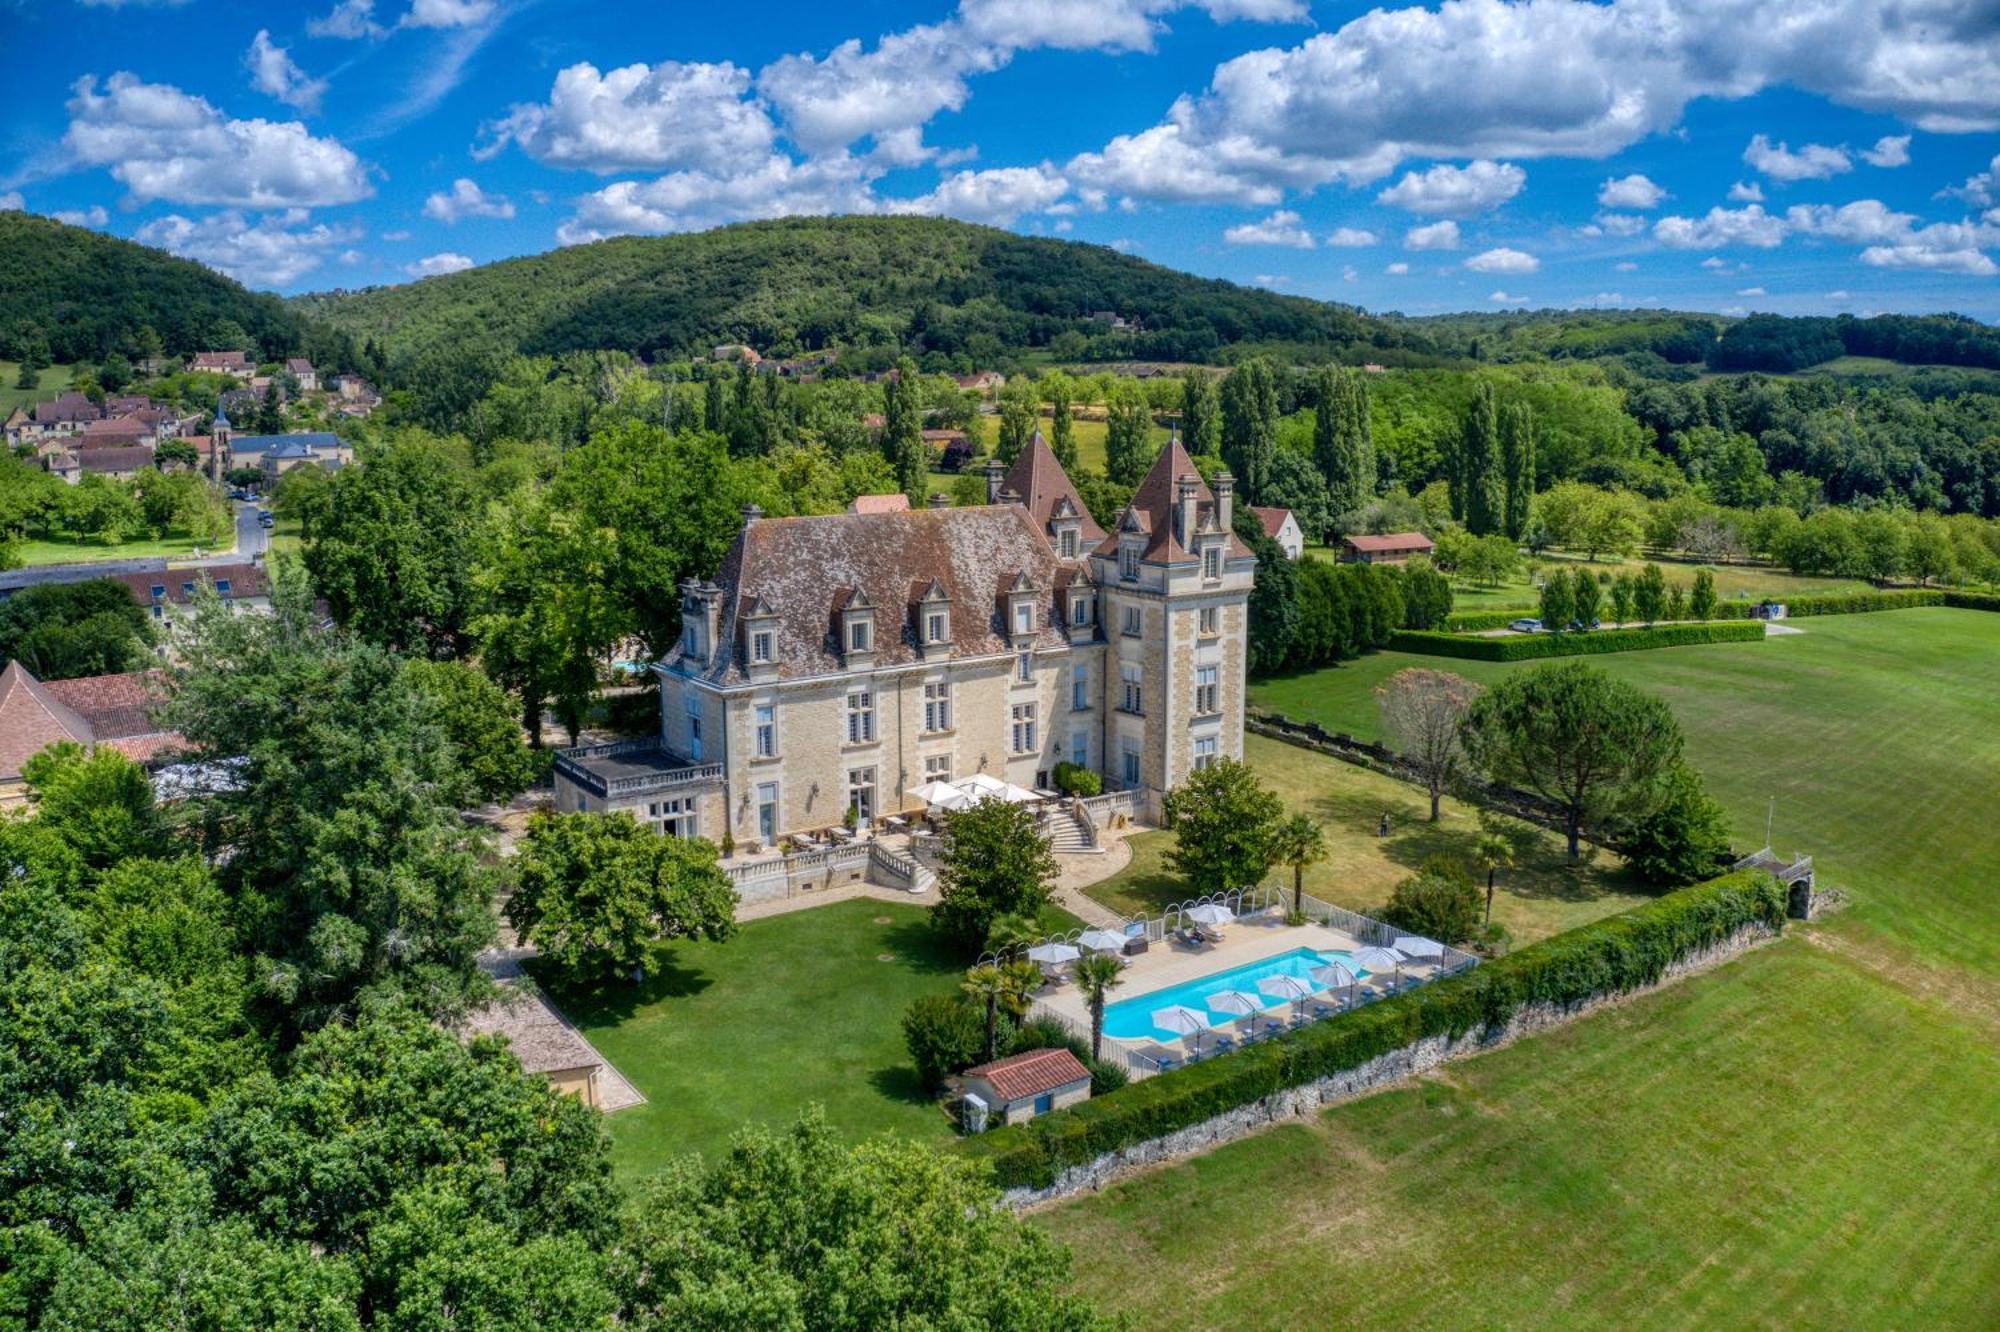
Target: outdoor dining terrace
1213,974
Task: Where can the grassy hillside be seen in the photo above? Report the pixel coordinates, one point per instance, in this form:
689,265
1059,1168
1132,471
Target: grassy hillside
802,283
85,294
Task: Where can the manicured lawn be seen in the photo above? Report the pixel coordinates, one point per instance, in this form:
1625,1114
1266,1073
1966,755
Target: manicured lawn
53,380
1788,1142
1544,895
1809,1136
72,552
795,1009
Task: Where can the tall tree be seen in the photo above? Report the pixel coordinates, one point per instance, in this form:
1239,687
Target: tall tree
1250,425
1343,446
1020,409
903,429
478,719
996,863
1060,391
1096,976
1423,712
1201,414
1591,744
1225,826
1128,434
1485,501
1298,842
1517,465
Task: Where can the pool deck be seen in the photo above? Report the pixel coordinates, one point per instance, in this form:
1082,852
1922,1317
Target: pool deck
1244,941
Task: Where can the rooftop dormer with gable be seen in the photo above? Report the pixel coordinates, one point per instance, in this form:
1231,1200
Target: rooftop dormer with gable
1051,499
1174,519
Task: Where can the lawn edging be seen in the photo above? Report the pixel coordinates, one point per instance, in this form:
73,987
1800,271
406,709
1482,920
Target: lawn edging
1541,986
1525,647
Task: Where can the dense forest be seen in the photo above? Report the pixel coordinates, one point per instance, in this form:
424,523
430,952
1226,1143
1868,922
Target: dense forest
69,294
925,285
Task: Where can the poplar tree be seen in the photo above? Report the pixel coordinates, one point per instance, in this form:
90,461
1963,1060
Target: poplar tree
1201,414
1061,392
1517,462
902,429
1019,406
1250,425
1342,446
1127,435
1479,460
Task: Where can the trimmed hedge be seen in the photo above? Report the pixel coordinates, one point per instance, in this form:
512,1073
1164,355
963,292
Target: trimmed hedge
1471,622
1981,601
1525,647
1614,955
1839,603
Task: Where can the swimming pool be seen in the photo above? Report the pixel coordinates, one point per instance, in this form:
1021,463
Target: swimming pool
1131,1019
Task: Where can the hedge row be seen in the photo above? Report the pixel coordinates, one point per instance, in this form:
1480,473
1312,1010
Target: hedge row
1524,647
1839,603
1614,955
1983,601
1471,622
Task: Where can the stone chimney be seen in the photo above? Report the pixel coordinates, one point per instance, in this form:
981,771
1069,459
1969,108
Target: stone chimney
938,500
994,473
751,513
1184,508
1224,487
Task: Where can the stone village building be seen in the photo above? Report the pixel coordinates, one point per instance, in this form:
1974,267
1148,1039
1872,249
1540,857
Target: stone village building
836,662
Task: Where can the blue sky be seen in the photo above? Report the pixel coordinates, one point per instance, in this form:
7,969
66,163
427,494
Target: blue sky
1800,156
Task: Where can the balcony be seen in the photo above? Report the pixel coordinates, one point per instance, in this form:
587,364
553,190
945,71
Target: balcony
631,767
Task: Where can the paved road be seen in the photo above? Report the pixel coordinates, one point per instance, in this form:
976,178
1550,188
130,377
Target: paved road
252,541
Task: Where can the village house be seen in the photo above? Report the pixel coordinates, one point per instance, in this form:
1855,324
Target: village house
302,373
232,363
118,462
986,381
277,454
1282,526
116,432
167,594
1389,548
110,710
833,663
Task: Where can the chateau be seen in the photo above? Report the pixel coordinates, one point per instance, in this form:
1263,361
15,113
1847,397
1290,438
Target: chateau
835,662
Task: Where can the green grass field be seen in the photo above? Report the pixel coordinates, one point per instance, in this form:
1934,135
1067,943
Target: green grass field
1807,1136
1544,895
53,380
42,551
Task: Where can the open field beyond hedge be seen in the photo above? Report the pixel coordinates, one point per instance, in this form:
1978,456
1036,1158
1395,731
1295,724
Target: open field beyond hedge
1808,1135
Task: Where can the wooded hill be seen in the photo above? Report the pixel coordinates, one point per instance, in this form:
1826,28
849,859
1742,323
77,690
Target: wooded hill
804,284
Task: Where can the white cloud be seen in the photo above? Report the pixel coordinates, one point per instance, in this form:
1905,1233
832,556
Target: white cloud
1124,245
12,202
995,196
162,143
433,265
670,116
1751,291
1161,164
352,258
1715,262
1616,224
1502,298
274,73
1814,161
777,186
1397,269
93,216
1721,226
448,13
1351,237
1627,267
275,251
1103,25
1280,228
1436,236
348,19
402,234
1981,189
1451,191
1270,280
828,102
1503,260
1863,222
1934,258
1891,150
1746,192
466,199
1634,191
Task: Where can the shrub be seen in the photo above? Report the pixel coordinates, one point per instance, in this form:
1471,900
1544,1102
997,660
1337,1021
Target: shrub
1684,838
1438,902
1843,603
1046,1034
945,1034
1613,955
1471,622
1527,647
1074,779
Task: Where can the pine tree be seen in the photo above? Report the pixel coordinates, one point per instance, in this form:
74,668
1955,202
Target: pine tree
1479,461
1517,463
1127,435
1250,426
902,429
1342,445
1201,414
713,410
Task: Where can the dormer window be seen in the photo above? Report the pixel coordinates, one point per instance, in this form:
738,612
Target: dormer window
857,628
933,619
1128,562
936,627
1067,543
1024,617
1211,563
859,635
1079,610
760,645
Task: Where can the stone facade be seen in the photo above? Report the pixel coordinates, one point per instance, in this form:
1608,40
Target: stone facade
840,661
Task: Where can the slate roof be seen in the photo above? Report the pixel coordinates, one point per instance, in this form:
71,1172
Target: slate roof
537,1034
1022,1077
1038,478
67,407
806,569
1152,508
245,445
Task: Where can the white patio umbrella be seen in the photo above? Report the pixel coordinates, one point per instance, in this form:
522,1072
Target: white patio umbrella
1335,977
1375,959
940,795
1285,987
1211,913
985,786
1415,945
1053,954
1102,941
1238,1002
1180,1020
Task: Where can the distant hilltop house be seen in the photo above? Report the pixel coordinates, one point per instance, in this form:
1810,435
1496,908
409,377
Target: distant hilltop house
986,381
1390,548
736,351
110,710
233,363
1118,322
1282,526
302,373
833,663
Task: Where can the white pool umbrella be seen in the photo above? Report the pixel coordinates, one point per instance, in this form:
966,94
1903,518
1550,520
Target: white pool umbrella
940,795
1101,941
1211,913
1415,945
1180,1019
1375,959
1238,1002
1285,987
1053,954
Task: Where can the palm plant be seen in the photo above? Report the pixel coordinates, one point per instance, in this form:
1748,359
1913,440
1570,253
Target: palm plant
1097,975
1494,850
1022,979
992,987
1298,842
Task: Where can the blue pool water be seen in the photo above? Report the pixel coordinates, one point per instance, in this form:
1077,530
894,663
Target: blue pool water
1131,1019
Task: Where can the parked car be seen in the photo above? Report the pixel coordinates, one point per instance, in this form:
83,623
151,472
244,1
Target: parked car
1525,626
264,518
1579,625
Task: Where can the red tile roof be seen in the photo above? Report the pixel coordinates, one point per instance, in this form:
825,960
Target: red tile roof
113,710
1391,541
1271,518
878,504
1153,506
245,580
1035,1073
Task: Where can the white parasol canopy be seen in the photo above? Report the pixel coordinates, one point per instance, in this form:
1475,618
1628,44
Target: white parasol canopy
1179,1019
1211,913
1415,945
1285,987
1333,975
1101,941
1238,1002
981,786
1377,959
1053,954
940,795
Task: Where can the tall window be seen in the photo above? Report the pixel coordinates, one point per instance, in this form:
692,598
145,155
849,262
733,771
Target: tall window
1210,621
934,627
693,709
1129,763
1024,617
760,645
860,716
1132,688
861,792
858,636
1079,687
767,812
1024,728
1068,544
937,706
1128,563
1024,668
1079,610
1207,690
1204,753
1211,563
1134,621
766,718
1079,747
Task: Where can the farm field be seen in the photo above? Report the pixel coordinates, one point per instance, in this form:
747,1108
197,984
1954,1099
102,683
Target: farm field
1723,1152
53,380
1544,895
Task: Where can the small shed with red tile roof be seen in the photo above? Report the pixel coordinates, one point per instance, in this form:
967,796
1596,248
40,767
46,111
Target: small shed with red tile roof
1388,548
1022,1086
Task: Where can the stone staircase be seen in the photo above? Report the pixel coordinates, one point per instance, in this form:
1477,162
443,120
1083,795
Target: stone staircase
1070,834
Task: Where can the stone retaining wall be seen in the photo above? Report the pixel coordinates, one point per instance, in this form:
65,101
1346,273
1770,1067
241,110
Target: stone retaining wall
1309,1099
